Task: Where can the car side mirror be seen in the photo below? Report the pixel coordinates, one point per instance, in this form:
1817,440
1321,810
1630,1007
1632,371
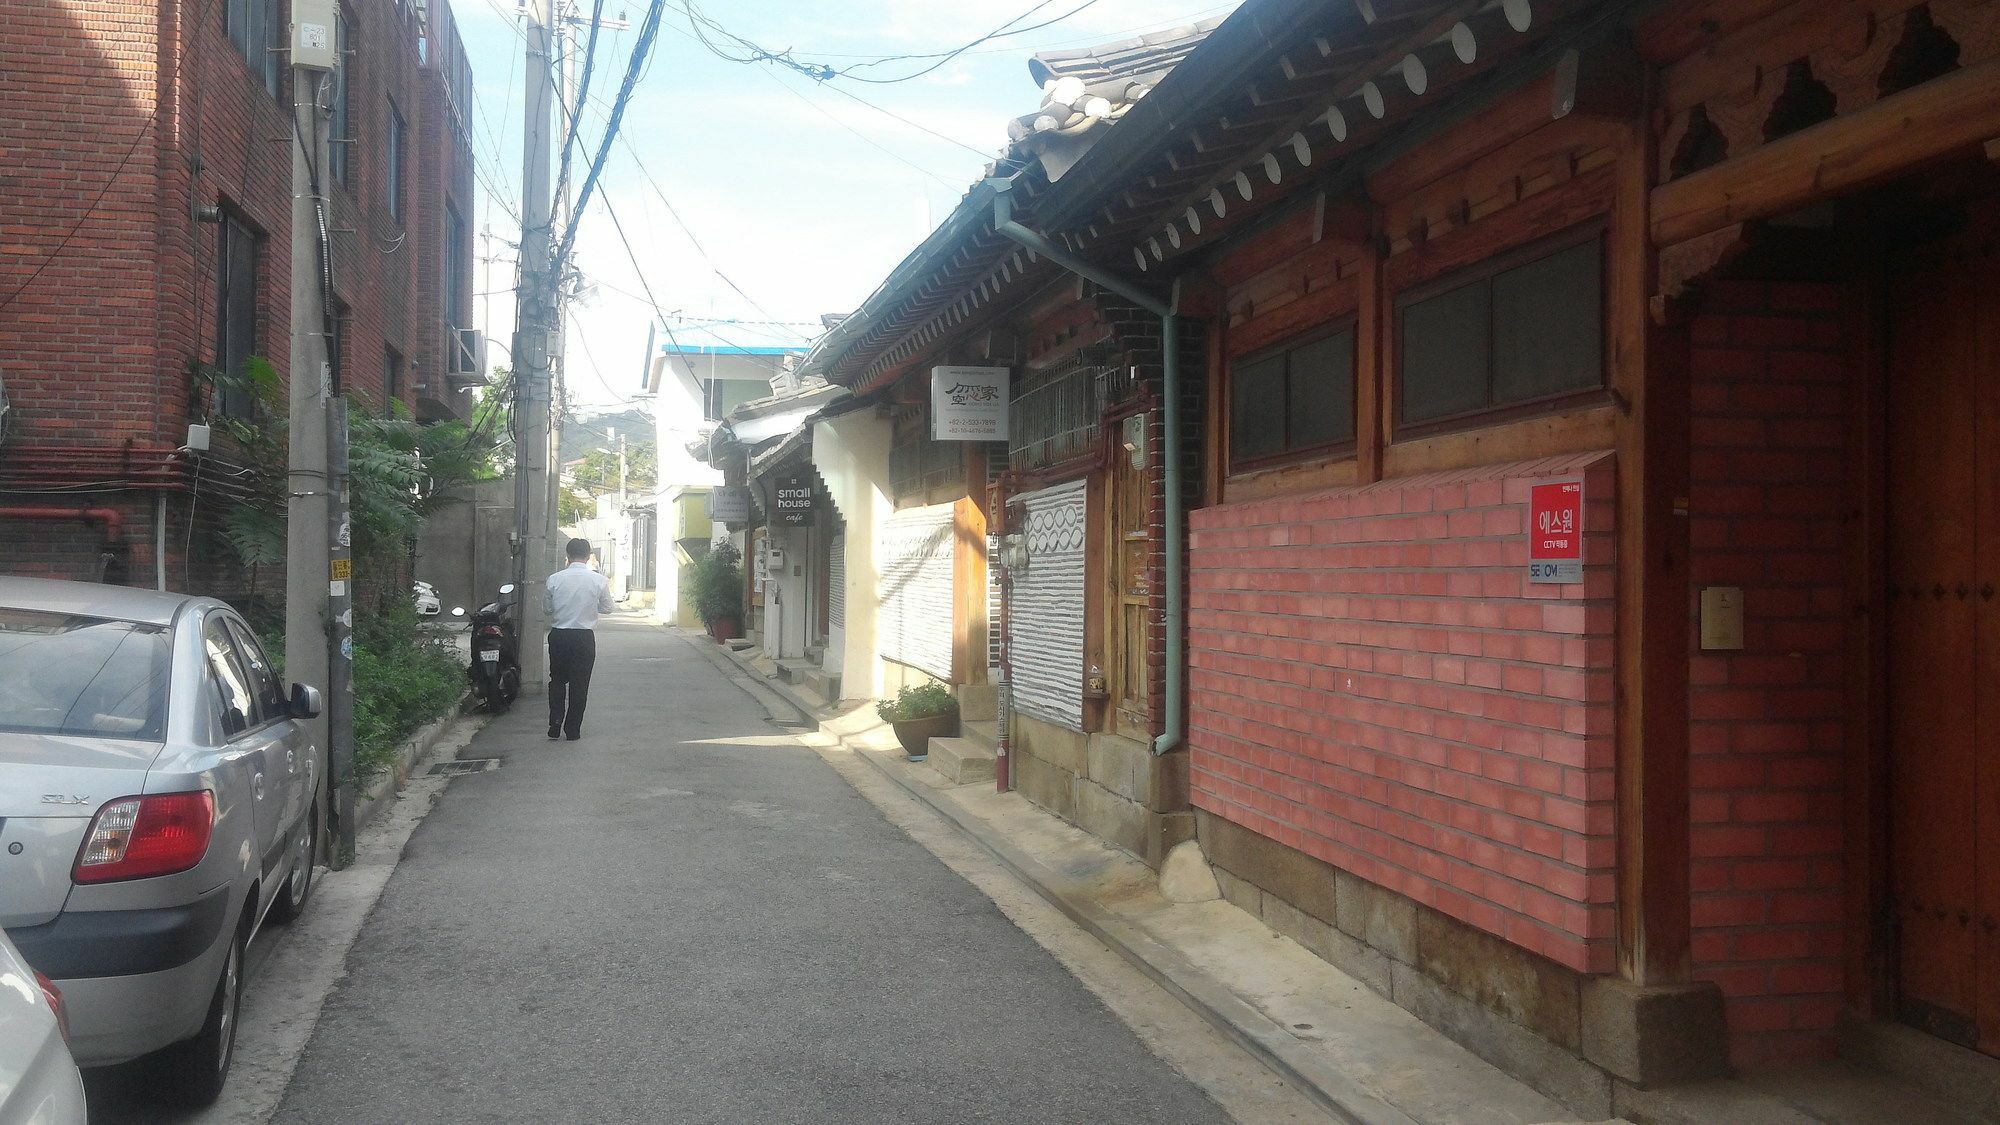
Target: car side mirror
458,611
305,701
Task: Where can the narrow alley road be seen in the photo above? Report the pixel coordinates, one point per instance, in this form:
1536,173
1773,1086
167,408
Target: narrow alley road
688,916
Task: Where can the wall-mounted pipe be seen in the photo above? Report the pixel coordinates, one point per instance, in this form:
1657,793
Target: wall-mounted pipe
1170,363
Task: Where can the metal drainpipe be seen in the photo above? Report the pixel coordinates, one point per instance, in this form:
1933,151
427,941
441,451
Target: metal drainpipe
1170,363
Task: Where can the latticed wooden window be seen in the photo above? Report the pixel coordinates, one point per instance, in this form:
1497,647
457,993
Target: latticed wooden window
918,465
1056,414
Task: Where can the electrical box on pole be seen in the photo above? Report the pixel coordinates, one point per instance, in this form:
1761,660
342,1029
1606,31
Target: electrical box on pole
313,43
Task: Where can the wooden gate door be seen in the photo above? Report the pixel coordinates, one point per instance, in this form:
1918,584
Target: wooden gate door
1129,597
1944,637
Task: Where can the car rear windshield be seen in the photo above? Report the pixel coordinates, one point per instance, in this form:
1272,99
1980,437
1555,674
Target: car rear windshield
64,674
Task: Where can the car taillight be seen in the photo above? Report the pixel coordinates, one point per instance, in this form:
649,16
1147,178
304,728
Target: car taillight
54,996
137,837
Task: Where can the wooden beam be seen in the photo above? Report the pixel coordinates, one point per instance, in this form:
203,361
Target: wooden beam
1372,332
1650,372
1957,112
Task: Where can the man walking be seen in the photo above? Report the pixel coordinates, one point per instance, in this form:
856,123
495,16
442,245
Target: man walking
572,598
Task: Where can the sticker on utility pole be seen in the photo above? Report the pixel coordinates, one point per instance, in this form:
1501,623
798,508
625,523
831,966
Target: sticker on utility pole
341,569
1555,532
969,403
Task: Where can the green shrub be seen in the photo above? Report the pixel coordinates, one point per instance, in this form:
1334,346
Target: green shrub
718,584
404,678
917,702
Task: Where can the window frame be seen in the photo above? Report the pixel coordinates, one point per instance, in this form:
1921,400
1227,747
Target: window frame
1333,450
340,119
260,55
231,403
392,374
232,658
1483,272
276,707
397,160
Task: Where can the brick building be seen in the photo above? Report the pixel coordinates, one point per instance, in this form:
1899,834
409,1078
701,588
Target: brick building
1706,291
146,234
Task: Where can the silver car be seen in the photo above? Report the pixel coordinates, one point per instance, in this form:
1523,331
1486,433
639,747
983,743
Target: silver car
39,1084
158,800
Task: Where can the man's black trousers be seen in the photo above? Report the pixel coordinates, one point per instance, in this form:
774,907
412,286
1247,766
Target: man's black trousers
572,655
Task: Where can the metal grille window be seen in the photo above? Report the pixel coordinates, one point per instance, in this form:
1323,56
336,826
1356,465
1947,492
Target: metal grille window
917,464
1055,414
1524,331
1292,400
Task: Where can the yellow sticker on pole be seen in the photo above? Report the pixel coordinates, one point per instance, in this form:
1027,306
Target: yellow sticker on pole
342,569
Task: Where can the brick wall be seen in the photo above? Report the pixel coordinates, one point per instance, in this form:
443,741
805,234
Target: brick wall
1768,503
1375,683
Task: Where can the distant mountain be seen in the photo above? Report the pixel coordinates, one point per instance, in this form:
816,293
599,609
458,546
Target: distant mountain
592,431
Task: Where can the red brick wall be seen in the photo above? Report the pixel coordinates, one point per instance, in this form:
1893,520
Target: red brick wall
1769,497
1374,682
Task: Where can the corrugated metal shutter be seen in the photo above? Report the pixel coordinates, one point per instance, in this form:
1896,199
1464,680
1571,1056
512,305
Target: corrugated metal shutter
1048,607
836,582
915,619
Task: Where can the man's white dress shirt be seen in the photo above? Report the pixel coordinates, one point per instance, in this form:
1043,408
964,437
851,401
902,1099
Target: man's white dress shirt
574,596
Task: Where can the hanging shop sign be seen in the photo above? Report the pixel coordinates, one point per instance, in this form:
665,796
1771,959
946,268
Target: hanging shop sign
1555,532
792,493
729,504
969,403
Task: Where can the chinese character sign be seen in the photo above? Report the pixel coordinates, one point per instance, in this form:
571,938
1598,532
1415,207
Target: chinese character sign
1555,532
969,403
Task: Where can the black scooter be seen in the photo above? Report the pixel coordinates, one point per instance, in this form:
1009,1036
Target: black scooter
496,655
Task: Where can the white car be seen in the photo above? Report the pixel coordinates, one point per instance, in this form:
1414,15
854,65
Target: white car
39,1084
427,599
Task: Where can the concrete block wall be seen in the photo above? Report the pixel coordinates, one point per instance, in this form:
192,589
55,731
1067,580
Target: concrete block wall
1375,683
1770,496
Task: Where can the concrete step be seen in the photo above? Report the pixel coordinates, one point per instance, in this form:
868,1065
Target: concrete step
961,760
983,732
794,671
978,702
823,685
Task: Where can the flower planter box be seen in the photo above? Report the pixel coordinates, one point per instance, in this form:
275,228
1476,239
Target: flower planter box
914,735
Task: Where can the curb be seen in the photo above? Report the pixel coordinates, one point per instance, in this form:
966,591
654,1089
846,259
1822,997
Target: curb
385,788
1250,1028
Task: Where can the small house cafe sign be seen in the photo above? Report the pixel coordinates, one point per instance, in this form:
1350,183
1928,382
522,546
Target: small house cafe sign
969,403
794,499
1555,532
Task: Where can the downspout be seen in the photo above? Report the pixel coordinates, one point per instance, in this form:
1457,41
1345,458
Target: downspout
1170,363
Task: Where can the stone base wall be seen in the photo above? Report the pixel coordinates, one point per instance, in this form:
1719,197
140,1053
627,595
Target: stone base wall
1111,787
1571,1035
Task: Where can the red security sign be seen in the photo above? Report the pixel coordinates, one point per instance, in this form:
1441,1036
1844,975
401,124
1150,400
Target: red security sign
1555,532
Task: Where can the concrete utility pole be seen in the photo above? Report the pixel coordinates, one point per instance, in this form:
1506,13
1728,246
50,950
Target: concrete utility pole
534,321
340,635
309,483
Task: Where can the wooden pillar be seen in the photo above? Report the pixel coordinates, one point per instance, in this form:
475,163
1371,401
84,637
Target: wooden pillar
1651,378
1374,328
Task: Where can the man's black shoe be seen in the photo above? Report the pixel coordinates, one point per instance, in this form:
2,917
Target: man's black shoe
574,737
554,735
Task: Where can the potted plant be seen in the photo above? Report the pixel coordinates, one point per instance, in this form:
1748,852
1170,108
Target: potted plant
918,714
718,592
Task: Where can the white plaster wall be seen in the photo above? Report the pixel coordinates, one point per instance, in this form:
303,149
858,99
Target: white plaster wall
851,453
785,611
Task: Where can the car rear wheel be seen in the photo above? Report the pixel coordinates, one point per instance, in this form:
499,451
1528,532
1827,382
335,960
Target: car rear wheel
298,887
193,1072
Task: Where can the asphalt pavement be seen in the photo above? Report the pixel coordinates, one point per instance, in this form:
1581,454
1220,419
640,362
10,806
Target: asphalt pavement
690,917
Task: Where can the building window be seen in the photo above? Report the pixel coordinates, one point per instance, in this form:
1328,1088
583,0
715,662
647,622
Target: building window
1524,331
341,118
398,140
392,375
1292,400
236,313
457,259
254,26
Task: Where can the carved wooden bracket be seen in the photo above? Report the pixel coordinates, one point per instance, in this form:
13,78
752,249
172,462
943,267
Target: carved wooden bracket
1685,265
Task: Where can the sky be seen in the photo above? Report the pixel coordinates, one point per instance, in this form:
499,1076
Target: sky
800,196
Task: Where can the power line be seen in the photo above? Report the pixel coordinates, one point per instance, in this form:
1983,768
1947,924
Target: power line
646,174
648,30
582,92
864,138
912,124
